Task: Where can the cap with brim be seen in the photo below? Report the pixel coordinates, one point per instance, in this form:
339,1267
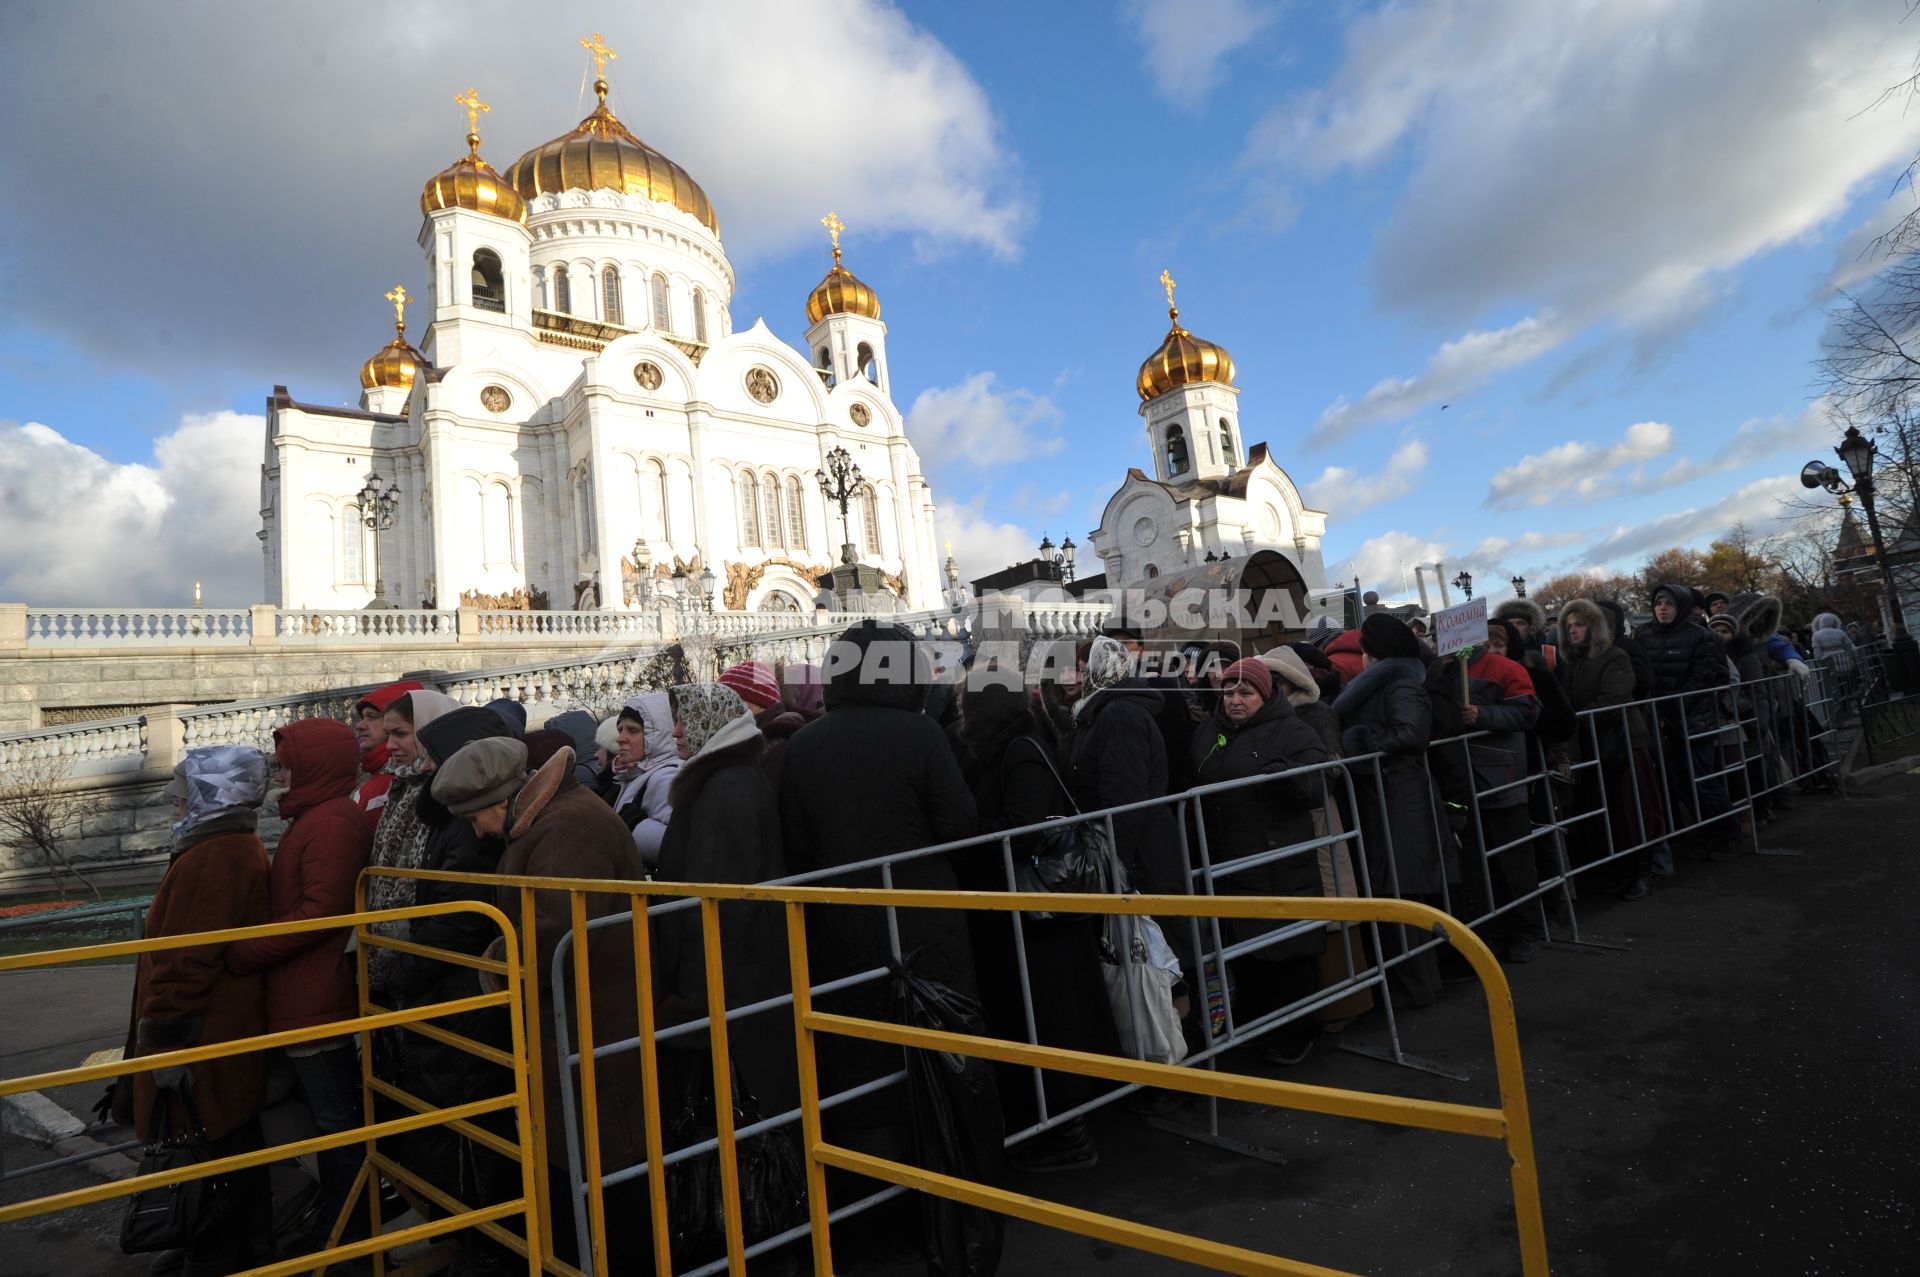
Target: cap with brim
481,774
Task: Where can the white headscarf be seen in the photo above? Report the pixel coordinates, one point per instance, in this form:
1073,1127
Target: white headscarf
220,779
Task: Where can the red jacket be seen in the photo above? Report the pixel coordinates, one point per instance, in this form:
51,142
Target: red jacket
309,976
370,795
1343,653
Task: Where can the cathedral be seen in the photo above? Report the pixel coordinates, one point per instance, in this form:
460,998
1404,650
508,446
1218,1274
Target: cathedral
580,412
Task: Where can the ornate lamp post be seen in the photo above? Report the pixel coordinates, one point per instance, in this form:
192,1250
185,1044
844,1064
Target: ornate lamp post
1519,584
1464,583
1858,454
377,511
643,573
1060,563
956,597
838,481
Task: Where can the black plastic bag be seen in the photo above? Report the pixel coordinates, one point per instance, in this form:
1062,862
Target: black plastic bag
1070,858
957,1125
773,1183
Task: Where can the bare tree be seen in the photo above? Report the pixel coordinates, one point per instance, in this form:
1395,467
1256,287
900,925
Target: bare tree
39,813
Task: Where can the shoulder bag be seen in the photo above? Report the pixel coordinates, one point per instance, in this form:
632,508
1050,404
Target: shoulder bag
171,1216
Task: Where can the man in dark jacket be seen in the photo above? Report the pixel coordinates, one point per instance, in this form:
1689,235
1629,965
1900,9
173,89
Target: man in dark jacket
1169,711
1660,856
1687,660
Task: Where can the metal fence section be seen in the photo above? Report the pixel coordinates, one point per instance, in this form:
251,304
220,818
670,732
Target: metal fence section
442,1215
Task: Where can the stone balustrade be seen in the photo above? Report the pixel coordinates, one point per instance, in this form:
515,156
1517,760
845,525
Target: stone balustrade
137,627
80,749
350,625
266,626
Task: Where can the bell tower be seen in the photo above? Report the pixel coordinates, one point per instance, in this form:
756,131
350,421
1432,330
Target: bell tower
845,337
1190,405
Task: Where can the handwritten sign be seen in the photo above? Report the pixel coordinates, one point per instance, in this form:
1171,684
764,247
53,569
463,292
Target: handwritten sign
1460,627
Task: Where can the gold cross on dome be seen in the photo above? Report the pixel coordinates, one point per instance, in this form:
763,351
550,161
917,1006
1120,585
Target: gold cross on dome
1166,282
471,100
834,226
601,54
398,296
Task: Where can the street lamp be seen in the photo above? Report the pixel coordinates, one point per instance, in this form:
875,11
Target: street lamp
707,581
838,481
377,511
1519,584
643,573
956,597
1464,583
1858,453
1059,564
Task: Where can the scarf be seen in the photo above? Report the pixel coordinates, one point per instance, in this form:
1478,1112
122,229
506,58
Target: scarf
399,842
1108,663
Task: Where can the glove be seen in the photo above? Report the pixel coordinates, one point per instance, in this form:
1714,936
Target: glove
177,1078
1800,668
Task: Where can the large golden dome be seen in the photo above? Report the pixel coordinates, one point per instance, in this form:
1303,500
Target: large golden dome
601,153
1182,358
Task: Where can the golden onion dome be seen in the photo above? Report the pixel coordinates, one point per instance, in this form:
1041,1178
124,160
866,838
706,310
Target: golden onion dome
1182,358
470,182
841,293
397,363
601,153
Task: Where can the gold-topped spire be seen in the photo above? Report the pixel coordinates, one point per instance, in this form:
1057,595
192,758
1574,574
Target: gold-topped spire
399,297
597,49
1182,358
834,226
471,100
1166,282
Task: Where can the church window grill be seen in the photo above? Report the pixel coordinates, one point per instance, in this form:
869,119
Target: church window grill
1176,450
662,316
749,510
770,509
864,359
699,315
562,291
1227,453
489,283
870,519
796,516
610,295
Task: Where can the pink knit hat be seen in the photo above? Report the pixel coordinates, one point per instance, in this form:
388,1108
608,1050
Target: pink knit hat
1251,671
754,682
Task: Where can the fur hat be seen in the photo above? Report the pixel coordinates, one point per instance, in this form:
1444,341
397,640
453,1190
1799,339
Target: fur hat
1527,610
607,735
1758,614
1384,637
481,774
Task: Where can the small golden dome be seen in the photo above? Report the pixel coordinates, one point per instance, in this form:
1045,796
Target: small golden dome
470,182
394,364
601,153
1182,357
841,292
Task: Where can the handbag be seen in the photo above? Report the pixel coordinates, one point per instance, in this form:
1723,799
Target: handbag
1140,970
1075,858
172,1216
773,1184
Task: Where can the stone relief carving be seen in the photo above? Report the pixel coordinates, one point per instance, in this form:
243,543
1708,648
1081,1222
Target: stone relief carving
762,385
495,399
648,374
518,599
861,414
743,577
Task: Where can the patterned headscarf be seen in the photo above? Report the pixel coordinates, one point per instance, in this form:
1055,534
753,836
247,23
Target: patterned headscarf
399,842
220,779
709,716
1108,662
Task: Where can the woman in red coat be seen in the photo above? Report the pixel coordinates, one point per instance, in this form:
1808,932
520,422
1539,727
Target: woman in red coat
309,975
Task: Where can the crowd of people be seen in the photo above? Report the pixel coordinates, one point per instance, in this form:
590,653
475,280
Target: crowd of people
1473,768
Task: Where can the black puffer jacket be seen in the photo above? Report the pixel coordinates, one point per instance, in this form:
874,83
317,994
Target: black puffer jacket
1684,658
1258,818
1120,756
1385,708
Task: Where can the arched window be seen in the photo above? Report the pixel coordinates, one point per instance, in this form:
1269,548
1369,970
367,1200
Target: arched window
653,501
863,359
796,516
610,295
770,504
870,519
1226,445
352,571
699,315
1153,570
489,284
662,317
562,291
496,525
749,509
823,360
1176,450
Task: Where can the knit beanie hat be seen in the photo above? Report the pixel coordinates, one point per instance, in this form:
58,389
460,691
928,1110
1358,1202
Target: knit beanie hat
488,771
1291,671
1251,671
607,735
754,682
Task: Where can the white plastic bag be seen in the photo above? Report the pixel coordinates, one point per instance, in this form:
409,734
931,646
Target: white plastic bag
1141,970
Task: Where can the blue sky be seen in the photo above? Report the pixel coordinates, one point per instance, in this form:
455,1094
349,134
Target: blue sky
1602,234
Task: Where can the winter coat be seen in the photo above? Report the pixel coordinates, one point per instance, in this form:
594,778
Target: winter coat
777,725
1385,710
370,795
1830,642
1503,692
871,777
580,727
1685,658
1597,675
1636,655
187,997
1320,717
556,829
1009,765
1344,654
642,803
1119,756
726,828
1259,818
310,978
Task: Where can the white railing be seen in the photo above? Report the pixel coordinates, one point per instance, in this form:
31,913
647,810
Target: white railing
560,626
80,749
1066,620
599,684
138,627
732,624
252,722
355,625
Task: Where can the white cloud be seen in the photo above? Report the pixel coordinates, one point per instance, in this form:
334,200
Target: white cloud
977,424
1497,549
1344,492
1599,162
983,544
1184,41
1575,471
83,531
1760,505
191,174
1457,367
1385,563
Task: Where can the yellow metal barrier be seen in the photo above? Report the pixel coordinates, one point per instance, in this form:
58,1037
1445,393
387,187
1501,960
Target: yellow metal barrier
456,1216
1507,1123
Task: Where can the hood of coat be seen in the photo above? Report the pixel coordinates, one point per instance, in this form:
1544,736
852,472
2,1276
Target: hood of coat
1291,676
448,734
877,666
511,713
1599,626
1827,621
532,798
1616,617
1758,614
580,728
1683,600
322,757
655,712
1523,610
220,780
